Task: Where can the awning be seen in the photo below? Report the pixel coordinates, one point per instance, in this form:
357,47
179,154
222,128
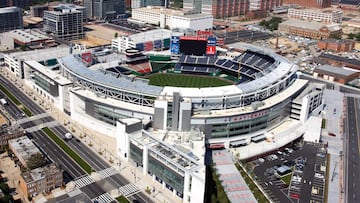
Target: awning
259,137
238,142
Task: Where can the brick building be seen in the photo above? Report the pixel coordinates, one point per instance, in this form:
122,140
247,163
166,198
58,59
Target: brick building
340,61
310,3
313,30
336,45
41,180
335,74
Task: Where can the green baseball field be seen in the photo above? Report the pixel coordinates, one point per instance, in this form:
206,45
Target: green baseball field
181,80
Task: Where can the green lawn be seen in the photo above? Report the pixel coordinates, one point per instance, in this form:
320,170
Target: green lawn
122,199
286,178
83,164
180,80
9,95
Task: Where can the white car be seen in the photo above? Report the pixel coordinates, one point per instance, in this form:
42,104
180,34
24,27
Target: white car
68,136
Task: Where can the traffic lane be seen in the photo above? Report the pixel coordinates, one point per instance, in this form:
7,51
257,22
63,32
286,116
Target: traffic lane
56,154
353,153
308,172
92,190
83,150
120,180
32,106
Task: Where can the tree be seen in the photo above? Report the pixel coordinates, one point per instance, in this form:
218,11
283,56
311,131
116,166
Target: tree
35,161
116,34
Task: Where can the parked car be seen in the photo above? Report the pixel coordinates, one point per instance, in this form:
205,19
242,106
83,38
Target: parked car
332,134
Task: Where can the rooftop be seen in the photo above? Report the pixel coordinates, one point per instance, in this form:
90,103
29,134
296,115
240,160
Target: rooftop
312,25
233,183
334,70
24,147
340,58
160,9
40,173
27,35
10,9
41,54
151,35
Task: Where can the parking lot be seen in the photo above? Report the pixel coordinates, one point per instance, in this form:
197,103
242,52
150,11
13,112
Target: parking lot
307,164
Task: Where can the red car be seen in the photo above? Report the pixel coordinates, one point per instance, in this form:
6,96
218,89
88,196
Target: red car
295,196
332,134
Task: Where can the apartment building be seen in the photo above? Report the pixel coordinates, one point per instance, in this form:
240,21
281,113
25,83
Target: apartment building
230,8
327,16
10,19
23,148
41,180
65,23
310,3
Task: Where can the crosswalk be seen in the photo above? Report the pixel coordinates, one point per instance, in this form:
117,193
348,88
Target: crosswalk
107,172
128,190
83,181
103,198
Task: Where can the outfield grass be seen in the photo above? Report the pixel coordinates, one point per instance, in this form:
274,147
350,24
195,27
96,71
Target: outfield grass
179,80
83,164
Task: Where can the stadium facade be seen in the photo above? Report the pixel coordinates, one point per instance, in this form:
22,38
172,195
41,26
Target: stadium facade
267,93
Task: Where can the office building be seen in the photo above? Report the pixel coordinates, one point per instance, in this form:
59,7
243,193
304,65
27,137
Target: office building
145,3
327,16
38,10
169,18
173,159
24,4
310,3
65,23
10,19
192,6
68,7
350,5
41,180
101,9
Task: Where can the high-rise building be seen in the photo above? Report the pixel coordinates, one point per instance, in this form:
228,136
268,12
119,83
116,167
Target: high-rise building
192,6
145,3
64,23
10,19
310,3
100,9
229,8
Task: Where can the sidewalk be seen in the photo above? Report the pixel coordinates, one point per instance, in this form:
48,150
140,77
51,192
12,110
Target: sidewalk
105,147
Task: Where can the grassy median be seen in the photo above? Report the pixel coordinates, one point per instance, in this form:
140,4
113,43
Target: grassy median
83,164
9,95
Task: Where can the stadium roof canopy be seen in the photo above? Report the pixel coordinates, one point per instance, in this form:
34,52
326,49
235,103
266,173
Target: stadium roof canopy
124,82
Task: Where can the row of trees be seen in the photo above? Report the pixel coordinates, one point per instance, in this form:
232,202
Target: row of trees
354,36
271,24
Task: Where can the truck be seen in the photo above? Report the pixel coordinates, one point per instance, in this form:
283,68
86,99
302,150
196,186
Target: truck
3,101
